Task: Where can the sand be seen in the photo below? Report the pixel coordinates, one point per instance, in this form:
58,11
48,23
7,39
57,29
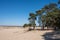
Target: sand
16,33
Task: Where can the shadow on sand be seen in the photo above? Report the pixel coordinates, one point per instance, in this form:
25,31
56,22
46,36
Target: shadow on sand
49,36
36,29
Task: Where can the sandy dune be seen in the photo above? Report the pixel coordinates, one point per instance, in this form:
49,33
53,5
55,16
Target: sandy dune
21,34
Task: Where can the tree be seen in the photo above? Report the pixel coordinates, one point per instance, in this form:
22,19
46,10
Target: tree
43,18
52,12
25,25
49,12
39,14
32,19
51,17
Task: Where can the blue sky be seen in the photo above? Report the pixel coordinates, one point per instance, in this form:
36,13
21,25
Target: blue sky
16,12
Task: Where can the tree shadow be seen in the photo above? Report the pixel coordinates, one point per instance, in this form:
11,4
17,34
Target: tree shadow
43,29
30,29
50,34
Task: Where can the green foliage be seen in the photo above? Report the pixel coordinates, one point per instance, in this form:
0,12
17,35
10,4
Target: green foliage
59,2
32,18
25,25
51,17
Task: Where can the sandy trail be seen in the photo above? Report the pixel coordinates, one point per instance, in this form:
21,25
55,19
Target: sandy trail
21,34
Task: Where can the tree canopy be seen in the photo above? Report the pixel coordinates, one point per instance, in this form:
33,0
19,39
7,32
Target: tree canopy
51,17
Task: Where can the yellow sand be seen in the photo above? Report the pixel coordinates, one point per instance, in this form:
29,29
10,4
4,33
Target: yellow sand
16,33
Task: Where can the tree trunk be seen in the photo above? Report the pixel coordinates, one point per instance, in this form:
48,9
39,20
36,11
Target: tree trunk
43,28
47,27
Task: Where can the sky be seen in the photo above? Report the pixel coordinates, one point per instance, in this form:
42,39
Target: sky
16,12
